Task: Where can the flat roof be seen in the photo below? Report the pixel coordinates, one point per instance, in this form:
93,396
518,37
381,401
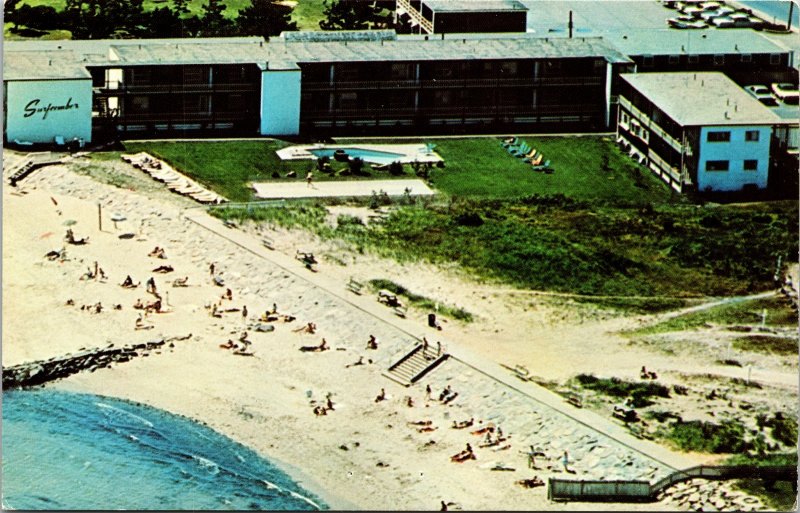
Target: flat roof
69,59
666,41
699,99
474,5
58,65
450,48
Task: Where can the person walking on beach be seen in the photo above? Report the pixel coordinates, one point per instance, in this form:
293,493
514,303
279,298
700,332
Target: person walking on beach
309,179
565,461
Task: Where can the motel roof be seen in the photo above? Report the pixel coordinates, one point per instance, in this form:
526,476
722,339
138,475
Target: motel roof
701,99
449,48
669,41
58,65
70,58
474,5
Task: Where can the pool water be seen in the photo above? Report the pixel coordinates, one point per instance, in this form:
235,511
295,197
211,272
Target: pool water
373,156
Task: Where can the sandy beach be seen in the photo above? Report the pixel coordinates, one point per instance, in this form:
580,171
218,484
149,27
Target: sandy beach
363,454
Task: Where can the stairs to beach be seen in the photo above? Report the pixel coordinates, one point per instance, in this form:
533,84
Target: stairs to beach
414,365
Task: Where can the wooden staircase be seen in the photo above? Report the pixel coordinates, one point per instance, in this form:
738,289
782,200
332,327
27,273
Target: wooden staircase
414,365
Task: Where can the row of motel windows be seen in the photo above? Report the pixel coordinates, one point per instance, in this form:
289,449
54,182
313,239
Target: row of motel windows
725,136
724,165
719,59
633,127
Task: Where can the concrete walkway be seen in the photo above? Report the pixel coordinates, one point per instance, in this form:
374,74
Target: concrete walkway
555,420
273,190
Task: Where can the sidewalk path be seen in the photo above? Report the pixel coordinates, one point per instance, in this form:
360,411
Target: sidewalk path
273,190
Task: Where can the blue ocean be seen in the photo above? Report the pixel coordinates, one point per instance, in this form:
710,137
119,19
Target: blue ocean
76,451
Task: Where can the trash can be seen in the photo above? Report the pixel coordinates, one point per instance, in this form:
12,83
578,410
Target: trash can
432,320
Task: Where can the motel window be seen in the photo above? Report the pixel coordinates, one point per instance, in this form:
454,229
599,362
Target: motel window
623,119
674,59
718,137
719,59
140,103
750,165
402,71
747,57
694,59
751,136
508,68
775,59
717,165
348,100
647,61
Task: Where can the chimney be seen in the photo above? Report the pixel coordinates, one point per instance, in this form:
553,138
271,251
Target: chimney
735,107
426,37
727,116
261,44
702,83
728,101
50,62
683,48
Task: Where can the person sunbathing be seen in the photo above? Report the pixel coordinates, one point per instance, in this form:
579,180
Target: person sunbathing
151,286
329,402
319,410
409,402
138,305
70,238
421,423
308,328
445,393
228,345
157,253
53,255
323,346
228,295
450,398
381,396
531,483
487,429
464,455
155,306
463,424
243,352
372,343
243,338
128,283
181,282
427,429
163,269
140,325
359,362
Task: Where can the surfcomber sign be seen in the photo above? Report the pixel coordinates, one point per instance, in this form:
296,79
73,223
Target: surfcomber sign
34,107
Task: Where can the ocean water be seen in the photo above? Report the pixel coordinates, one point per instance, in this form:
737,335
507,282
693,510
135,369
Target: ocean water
77,451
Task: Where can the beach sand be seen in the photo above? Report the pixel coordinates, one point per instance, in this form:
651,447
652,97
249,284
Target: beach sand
363,454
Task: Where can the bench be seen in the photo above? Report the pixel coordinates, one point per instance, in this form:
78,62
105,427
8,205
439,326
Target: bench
354,286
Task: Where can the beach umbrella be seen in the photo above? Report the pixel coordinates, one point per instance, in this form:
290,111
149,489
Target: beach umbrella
116,218
70,222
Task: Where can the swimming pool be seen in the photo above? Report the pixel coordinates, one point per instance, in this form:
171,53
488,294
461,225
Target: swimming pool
373,156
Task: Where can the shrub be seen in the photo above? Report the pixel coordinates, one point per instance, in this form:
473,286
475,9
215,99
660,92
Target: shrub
396,168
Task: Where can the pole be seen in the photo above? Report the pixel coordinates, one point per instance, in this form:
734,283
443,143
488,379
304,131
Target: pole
570,25
100,217
789,22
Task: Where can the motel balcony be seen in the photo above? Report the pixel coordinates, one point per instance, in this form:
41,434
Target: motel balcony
452,83
115,89
459,111
183,116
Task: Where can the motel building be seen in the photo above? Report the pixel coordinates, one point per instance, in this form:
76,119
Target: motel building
697,131
329,83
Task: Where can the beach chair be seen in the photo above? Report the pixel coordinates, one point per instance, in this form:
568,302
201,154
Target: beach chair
542,167
537,161
521,150
513,141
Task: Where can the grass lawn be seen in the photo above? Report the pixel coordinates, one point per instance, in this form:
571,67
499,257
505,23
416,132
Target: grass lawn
585,168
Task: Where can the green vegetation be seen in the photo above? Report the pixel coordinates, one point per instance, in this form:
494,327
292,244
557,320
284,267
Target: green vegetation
586,168
743,312
421,301
584,234
639,392
779,496
767,344
308,13
727,437
642,305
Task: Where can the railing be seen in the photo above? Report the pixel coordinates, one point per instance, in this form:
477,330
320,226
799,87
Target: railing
179,88
449,82
416,15
645,120
462,110
172,117
635,490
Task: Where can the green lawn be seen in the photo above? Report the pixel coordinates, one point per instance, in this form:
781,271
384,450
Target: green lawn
585,168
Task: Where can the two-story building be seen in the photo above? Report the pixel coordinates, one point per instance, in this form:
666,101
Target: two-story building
697,131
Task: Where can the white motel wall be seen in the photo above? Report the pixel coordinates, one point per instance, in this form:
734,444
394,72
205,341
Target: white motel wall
40,111
735,152
280,102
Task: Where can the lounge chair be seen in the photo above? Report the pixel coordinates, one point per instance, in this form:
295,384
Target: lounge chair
512,142
542,167
523,149
537,161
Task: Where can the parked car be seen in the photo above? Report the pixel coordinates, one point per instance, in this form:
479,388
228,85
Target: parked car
786,92
686,22
737,20
762,94
716,13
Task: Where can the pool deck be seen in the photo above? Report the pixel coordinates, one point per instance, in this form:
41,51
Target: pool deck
294,190
410,152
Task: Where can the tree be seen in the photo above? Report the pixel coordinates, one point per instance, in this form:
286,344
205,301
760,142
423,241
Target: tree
214,22
264,18
165,22
98,19
180,6
39,17
349,15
